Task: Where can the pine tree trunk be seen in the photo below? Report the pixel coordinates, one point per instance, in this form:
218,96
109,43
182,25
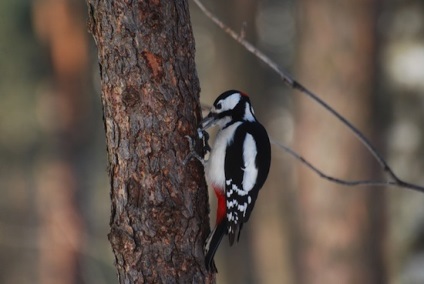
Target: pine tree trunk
150,99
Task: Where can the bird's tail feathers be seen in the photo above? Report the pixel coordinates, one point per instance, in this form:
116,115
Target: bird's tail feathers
212,244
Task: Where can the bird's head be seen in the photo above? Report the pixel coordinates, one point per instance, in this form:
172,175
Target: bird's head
228,107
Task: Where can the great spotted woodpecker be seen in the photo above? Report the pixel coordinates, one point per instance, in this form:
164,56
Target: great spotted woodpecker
237,167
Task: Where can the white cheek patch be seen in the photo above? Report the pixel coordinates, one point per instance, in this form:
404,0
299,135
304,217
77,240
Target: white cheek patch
230,102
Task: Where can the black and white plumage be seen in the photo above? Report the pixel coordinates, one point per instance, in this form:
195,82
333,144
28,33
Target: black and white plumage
237,167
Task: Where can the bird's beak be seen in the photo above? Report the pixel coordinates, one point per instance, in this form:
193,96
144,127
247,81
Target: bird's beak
208,121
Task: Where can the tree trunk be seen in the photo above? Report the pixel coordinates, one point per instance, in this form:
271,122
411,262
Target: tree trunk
340,228
149,91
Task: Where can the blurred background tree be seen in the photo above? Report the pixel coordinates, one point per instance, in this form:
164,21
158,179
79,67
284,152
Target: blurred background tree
55,206
341,232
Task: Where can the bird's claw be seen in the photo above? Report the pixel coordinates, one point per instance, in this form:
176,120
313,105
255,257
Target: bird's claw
192,154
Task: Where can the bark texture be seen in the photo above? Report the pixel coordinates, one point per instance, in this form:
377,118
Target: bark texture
149,91
341,228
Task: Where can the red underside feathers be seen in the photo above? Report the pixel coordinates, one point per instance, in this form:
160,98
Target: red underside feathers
222,205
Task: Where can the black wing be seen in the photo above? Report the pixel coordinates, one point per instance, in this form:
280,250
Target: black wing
243,183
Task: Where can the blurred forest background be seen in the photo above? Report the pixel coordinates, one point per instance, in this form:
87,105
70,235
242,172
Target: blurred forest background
366,58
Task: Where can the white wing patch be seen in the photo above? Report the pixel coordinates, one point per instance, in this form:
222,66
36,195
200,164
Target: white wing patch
250,173
249,157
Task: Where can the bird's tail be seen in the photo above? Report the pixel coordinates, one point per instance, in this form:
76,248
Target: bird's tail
212,243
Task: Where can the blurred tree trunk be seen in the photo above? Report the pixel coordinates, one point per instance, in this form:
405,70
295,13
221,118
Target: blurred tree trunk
60,26
149,91
341,238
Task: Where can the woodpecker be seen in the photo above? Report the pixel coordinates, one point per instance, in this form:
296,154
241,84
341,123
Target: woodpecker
237,167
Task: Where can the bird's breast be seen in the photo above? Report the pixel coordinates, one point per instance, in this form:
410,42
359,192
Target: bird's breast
215,167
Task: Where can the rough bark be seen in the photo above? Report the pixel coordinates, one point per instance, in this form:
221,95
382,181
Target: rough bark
340,228
149,91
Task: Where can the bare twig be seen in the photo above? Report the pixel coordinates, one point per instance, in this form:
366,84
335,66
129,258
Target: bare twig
243,30
394,179
346,182
328,177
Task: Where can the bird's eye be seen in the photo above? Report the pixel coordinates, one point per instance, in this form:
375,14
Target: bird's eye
218,106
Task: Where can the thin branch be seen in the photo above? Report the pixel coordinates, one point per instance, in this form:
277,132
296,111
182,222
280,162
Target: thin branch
395,180
328,177
345,182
